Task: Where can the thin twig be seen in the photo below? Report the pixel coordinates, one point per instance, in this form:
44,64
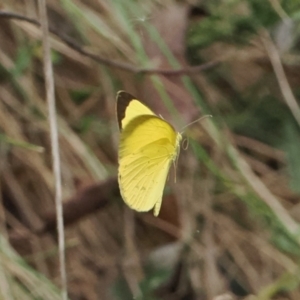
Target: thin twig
112,63
280,75
54,145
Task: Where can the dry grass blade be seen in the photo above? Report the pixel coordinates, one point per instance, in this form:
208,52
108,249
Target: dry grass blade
54,145
259,187
281,76
33,284
5,288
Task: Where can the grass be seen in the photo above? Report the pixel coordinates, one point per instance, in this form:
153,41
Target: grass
234,208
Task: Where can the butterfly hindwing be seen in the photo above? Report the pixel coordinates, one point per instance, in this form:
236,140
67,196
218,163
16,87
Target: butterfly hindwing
142,184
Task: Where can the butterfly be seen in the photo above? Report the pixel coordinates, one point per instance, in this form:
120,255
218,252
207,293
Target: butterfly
148,146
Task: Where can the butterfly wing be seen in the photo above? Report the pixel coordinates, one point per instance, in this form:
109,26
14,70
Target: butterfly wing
147,148
129,108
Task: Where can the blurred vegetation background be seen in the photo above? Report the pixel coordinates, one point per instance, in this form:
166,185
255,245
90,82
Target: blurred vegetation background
229,226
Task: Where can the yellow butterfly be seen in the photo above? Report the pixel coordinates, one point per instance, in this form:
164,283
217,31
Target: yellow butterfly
148,146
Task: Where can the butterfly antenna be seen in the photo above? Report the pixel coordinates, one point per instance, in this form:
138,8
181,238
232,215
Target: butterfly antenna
204,117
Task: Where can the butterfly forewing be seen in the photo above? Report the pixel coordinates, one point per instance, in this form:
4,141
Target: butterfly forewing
142,131
129,108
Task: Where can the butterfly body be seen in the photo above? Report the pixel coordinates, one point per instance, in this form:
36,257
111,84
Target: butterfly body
148,146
